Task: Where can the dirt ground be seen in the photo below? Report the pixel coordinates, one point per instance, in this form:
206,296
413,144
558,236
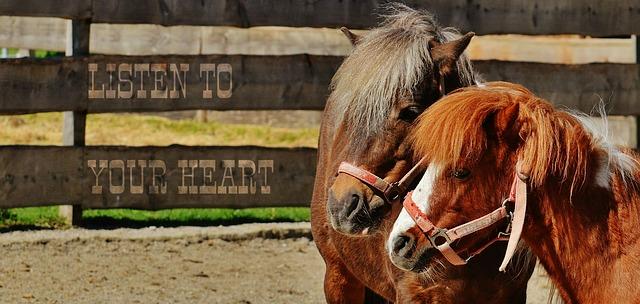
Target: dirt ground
256,263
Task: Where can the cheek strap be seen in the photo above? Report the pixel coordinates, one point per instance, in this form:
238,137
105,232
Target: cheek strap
519,195
441,238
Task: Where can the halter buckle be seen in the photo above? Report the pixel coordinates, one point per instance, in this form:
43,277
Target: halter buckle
439,233
507,231
393,193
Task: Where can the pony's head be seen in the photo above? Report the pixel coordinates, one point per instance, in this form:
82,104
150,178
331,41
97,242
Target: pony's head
476,141
394,72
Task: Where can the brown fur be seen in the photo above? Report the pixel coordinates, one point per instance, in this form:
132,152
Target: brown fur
584,233
549,133
357,267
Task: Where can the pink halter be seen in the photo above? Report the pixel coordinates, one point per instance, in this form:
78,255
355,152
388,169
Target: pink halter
390,191
441,238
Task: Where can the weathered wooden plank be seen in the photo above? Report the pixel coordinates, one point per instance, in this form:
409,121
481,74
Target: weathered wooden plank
574,86
32,176
156,177
257,82
552,49
70,9
297,82
150,39
603,18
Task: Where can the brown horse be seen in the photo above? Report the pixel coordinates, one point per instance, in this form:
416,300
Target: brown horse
394,73
576,196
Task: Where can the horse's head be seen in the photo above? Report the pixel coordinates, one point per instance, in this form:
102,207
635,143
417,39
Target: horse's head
472,141
393,73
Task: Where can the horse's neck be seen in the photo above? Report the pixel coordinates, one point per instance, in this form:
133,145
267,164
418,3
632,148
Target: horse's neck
586,244
326,166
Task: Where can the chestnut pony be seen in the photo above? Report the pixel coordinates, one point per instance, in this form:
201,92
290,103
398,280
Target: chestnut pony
578,194
394,72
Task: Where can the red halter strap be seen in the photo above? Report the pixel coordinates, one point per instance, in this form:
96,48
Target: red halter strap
390,191
441,238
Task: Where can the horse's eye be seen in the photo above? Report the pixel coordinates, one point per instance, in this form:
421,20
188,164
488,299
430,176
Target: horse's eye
461,174
410,113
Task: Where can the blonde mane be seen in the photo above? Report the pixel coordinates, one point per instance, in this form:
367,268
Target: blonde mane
553,142
387,63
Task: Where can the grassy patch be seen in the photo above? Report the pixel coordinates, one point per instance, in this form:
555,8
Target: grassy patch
47,217
142,130
32,217
199,217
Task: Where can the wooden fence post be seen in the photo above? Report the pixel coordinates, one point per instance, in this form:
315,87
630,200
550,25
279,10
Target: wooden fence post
73,130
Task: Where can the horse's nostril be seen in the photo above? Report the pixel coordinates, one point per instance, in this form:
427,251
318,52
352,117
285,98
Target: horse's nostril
355,199
353,205
400,243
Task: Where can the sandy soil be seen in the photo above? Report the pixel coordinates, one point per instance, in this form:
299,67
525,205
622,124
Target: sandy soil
257,263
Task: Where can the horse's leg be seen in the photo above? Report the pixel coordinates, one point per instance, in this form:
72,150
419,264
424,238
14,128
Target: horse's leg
340,286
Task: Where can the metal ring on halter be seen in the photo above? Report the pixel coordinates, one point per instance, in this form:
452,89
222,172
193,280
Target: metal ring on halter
507,231
393,192
440,232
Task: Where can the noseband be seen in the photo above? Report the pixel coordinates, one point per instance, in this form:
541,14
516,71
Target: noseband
391,192
441,238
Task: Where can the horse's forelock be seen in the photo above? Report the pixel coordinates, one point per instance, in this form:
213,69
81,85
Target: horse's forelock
388,63
450,132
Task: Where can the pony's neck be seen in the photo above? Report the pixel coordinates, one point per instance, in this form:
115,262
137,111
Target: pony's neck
586,243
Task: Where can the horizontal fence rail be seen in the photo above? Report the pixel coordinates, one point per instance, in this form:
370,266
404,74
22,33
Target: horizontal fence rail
257,83
156,177
239,177
539,17
294,82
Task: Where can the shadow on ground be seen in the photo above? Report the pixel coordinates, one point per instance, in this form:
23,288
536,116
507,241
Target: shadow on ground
105,222
11,228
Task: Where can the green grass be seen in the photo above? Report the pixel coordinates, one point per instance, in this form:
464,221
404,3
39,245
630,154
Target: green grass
42,217
47,217
221,216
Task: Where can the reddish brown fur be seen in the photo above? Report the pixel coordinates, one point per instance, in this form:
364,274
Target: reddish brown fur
585,235
549,133
355,264
376,92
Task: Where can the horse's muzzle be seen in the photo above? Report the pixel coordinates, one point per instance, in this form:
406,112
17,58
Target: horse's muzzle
351,214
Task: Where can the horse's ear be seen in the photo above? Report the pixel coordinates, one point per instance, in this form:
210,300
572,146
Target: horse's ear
444,55
353,38
506,124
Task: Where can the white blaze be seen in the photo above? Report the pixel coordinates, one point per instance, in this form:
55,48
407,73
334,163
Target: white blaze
420,196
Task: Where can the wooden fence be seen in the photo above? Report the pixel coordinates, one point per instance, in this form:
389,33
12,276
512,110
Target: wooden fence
178,176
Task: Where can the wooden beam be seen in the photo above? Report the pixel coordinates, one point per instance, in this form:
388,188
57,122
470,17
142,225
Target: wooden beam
552,49
69,9
150,39
258,83
156,177
74,122
296,82
578,87
541,17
